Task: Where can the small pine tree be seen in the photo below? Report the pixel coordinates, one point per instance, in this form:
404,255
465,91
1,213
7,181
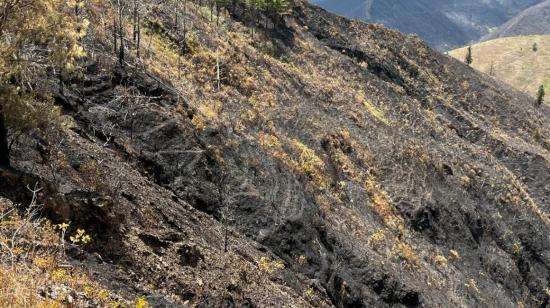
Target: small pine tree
540,96
469,58
492,69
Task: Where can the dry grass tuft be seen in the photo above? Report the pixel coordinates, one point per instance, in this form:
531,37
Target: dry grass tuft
377,238
371,108
406,252
306,162
383,207
310,164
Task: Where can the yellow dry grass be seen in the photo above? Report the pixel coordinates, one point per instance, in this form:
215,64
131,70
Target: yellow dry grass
19,289
407,252
513,60
306,162
383,206
32,261
371,108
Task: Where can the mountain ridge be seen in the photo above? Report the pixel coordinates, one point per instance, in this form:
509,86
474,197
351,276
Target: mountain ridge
443,24
533,21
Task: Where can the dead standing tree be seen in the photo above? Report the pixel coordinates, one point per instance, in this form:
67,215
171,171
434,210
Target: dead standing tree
137,26
120,33
227,201
225,204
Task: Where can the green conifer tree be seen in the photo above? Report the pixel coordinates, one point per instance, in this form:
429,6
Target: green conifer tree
540,96
469,58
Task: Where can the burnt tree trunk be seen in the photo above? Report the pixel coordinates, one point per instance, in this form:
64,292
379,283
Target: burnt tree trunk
135,18
4,147
115,30
138,34
121,35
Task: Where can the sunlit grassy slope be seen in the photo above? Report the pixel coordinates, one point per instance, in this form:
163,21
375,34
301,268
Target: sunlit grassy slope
513,60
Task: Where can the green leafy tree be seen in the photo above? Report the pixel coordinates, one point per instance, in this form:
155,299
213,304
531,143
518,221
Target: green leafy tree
540,96
279,7
254,7
268,7
275,8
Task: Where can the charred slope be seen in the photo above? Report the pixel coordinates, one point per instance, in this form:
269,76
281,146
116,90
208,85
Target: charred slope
378,171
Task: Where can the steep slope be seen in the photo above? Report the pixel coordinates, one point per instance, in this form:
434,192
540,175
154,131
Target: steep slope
346,164
532,21
443,24
513,60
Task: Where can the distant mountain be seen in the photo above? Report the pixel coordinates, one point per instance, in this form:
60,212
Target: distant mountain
534,20
444,24
513,60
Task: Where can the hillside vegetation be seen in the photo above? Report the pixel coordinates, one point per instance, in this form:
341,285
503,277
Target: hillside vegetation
513,60
258,154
